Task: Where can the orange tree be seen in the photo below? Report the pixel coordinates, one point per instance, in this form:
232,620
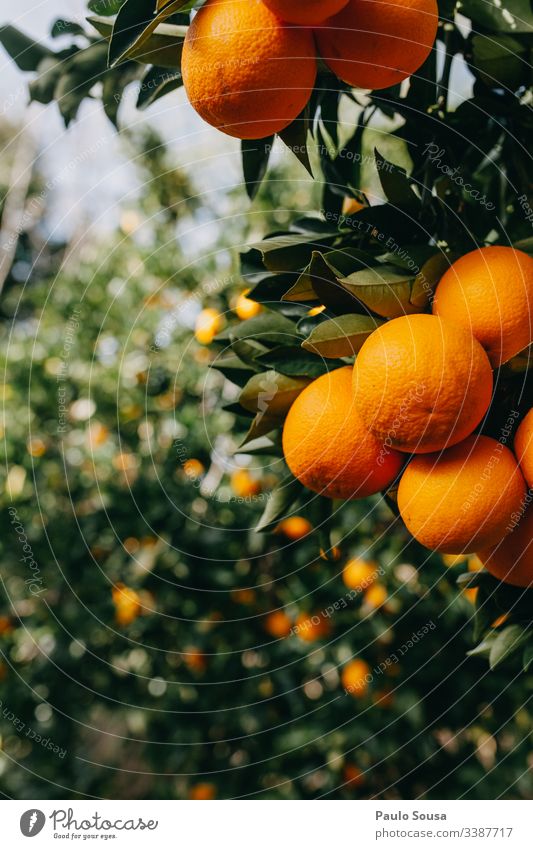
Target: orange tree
412,178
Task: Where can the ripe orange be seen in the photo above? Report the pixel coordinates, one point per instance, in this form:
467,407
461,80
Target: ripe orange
378,43
127,604
246,307
359,574
244,485
355,678
305,12
327,446
490,292
421,384
376,596
245,71
294,528
512,560
194,659
311,626
208,324
352,776
462,499
523,447
278,624
203,792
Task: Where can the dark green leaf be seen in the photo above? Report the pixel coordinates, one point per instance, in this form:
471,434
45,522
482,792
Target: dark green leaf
271,393
25,52
156,83
507,643
266,328
295,362
255,155
500,15
342,336
132,30
63,27
280,501
396,184
105,7
295,138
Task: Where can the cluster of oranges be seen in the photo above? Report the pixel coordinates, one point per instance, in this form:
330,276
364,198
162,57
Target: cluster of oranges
249,66
421,386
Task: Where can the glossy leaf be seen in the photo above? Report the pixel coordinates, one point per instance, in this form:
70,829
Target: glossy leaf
279,503
340,337
271,393
255,154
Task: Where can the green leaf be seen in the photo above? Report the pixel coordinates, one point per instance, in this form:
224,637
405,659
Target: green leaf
326,281
42,88
271,393
500,15
295,138
396,185
162,47
384,289
280,500
156,83
255,155
340,337
507,643
63,27
295,362
261,446
25,52
484,648
133,28
260,426
105,7
289,252
84,70
527,657
233,369
501,60
266,328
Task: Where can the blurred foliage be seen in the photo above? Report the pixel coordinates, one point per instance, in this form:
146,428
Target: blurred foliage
139,637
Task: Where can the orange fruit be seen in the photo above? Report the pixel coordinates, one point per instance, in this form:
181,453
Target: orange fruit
127,604
294,528
355,678
246,596
193,468
245,71
376,596
278,624
327,446
359,574
490,292
311,626
203,792
194,659
378,43
523,447
208,324
353,776
512,560
421,384
464,498
244,485
245,307
305,12
6,626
